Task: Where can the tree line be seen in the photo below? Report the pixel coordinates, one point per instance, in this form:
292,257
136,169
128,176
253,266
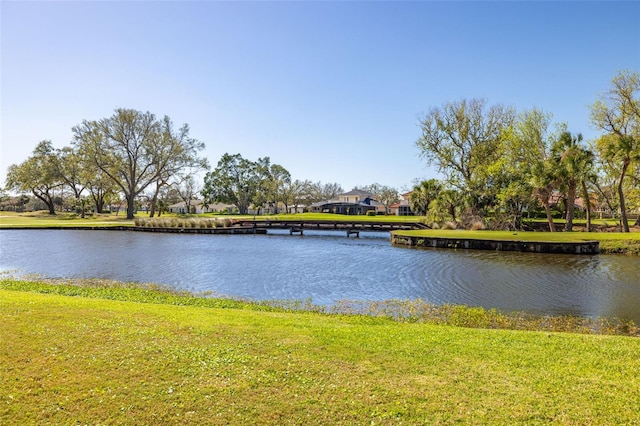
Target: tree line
495,163
500,163
133,154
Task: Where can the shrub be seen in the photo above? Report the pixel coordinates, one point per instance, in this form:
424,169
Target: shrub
477,226
371,212
449,225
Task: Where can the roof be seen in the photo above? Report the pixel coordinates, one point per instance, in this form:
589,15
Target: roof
195,203
343,203
183,204
358,192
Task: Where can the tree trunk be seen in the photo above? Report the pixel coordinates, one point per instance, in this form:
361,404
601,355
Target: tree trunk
571,197
547,210
587,204
452,213
48,202
99,204
152,210
130,206
623,207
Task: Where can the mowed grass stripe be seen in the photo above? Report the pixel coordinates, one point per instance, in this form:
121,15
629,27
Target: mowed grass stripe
68,360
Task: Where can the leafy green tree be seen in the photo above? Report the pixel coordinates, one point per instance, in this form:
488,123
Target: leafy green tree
462,139
423,194
449,200
617,113
528,155
100,186
38,175
235,180
273,181
574,163
69,166
296,193
542,180
136,150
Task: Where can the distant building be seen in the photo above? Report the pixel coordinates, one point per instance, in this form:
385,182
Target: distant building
354,202
402,208
198,207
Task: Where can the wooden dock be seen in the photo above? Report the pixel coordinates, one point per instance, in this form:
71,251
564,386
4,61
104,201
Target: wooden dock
351,227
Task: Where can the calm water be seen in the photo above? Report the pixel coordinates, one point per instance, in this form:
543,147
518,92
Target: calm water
329,267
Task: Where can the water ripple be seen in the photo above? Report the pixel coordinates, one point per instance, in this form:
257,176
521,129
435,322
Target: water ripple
327,267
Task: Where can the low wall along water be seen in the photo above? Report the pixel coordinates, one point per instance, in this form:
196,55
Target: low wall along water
582,247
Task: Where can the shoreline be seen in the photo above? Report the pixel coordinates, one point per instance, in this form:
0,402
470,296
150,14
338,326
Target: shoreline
534,242
573,247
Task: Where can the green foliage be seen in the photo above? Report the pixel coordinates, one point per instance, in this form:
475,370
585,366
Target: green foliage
135,150
573,165
423,195
238,181
38,175
617,113
463,139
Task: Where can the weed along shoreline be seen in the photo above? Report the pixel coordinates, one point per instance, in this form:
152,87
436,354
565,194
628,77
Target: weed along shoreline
421,241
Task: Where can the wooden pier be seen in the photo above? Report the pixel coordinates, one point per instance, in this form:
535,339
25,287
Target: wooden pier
351,227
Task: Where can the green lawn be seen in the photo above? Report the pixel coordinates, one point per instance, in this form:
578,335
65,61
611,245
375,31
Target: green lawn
525,236
88,360
43,220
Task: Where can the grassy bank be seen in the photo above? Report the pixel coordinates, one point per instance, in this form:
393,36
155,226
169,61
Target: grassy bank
78,359
43,219
60,220
610,242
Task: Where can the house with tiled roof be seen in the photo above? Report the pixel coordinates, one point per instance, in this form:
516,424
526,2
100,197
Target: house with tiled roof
403,207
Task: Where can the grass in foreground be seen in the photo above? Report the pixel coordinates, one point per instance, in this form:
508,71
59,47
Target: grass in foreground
84,360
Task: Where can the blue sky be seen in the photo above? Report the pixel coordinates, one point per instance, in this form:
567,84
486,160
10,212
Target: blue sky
332,91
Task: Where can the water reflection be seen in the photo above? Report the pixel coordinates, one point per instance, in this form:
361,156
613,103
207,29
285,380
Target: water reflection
328,267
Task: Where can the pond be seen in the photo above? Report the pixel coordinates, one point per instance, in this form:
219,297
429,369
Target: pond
328,267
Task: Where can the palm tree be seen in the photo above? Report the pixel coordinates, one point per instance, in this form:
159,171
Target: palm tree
542,181
588,176
573,165
423,194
